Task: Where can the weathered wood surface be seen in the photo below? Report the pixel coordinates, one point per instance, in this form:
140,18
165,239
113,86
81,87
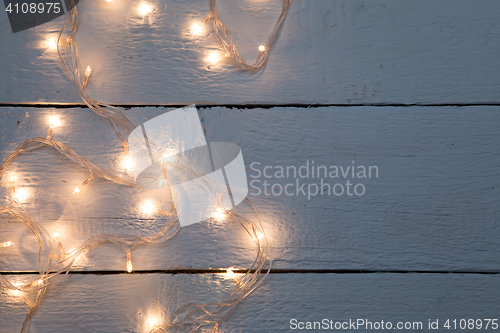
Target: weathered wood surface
433,206
354,51
126,303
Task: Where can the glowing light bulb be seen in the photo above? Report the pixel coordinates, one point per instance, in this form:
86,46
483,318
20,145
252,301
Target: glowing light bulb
52,44
12,178
77,189
229,274
144,9
127,163
262,48
40,282
259,235
55,235
213,57
54,121
16,292
7,244
88,70
129,266
21,194
148,207
197,28
218,215
152,321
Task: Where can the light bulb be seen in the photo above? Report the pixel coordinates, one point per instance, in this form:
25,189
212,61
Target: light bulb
148,207
54,121
129,266
144,9
153,321
213,57
21,194
229,274
218,215
16,292
262,48
127,163
52,44
88,70
77,189
197,28
169,155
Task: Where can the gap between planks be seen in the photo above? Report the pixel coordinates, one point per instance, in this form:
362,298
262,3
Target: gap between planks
243,106
272,271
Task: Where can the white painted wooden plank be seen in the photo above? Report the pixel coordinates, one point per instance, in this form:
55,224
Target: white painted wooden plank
349,51
125,303
433,206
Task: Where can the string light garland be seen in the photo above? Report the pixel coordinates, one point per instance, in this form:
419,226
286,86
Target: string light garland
227,42
54,261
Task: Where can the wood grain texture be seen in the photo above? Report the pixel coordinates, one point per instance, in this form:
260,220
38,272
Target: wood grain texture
125,303
433,206
349,51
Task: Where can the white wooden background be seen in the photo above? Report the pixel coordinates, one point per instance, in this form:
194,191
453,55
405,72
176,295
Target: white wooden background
412,87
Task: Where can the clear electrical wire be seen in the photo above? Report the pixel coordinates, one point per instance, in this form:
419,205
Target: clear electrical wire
227,42
54,262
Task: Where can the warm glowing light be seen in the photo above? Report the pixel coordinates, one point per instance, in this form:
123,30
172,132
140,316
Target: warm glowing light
127,163
259,235
169,155
109,1
12,178
197,28
88,70
21,194
214,57
16,292
144,9
55,235
218,215
77,189
148,207
54,121
129,267
40,282
229,274
262,48
52,44
7,244
152,321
